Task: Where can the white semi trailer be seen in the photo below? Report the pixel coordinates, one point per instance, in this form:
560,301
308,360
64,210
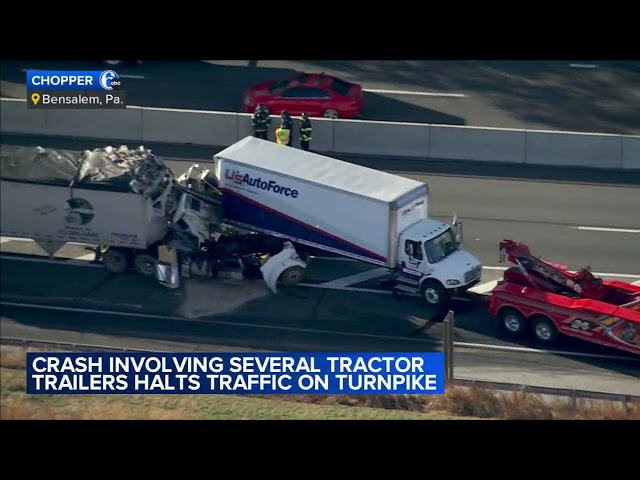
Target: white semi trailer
125,205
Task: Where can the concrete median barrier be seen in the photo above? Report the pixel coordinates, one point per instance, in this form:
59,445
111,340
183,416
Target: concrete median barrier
114,124
196,127
479,144
631,152
15,117
389,139
381,138
568,149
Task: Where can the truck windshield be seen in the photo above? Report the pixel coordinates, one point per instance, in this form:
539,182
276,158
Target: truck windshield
441,246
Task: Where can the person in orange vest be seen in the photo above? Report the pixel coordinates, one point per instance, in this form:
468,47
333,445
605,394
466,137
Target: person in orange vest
283,134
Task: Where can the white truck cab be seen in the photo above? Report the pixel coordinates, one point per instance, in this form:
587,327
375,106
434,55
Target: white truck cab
432,264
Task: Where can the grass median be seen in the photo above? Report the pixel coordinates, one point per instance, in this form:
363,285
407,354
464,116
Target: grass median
456,403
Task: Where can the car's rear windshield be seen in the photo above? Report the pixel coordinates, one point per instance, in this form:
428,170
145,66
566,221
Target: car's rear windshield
340,86
279,86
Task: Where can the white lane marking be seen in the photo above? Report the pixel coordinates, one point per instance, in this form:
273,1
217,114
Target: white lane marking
420,94
637,283
581,65
485,287
348,289
357,278
477,346
487,267
605,229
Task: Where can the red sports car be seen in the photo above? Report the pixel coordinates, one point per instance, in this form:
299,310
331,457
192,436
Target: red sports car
317,94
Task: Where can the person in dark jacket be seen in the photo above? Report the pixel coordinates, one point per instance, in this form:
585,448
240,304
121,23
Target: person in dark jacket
260,122
305,132
287,124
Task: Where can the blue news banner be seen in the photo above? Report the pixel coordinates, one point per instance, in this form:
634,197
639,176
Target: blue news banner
42,80
229,373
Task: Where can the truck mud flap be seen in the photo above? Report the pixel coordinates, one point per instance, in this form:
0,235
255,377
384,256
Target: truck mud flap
167,268
273,268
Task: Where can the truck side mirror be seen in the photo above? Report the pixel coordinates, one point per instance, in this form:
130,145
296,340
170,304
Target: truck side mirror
457,229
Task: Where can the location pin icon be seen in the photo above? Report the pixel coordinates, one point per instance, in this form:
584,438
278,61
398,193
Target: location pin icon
35,98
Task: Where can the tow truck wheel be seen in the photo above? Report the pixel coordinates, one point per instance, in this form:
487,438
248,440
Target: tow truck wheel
512,321
434,293
145,265
115,261
543,330
292,276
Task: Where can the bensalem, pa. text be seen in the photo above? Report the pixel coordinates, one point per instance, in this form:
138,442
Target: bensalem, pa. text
79,99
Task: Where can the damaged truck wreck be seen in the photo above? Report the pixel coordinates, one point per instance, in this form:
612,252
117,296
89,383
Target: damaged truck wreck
261,209
128,208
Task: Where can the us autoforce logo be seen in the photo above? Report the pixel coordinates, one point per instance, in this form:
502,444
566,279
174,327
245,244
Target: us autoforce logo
244,179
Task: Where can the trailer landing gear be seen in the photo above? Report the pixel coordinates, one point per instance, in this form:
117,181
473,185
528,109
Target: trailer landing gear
97,252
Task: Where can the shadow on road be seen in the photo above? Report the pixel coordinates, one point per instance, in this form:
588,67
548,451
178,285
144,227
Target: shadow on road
389,109
601,99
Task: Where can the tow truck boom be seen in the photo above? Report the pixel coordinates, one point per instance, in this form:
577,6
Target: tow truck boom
556,278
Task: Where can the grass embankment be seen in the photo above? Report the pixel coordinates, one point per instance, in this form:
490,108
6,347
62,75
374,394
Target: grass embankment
457,403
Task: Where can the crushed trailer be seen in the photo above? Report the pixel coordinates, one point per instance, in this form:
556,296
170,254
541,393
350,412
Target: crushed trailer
128,208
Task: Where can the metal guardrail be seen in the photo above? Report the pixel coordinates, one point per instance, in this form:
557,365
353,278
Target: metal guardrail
448,348
356,137
574,395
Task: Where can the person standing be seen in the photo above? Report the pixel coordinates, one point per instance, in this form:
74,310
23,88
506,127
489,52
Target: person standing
283,135
305,132
260,122
287,123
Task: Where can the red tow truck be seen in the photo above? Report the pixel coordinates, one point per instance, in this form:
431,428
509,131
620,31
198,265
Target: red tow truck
544,299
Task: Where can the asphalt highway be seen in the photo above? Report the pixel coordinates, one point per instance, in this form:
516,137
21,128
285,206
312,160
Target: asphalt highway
204,316
597,96
540,206
575,217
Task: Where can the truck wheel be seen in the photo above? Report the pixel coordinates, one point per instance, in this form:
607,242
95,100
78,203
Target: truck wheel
543,330
115,261
145,265
434,293
512,321
292,276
